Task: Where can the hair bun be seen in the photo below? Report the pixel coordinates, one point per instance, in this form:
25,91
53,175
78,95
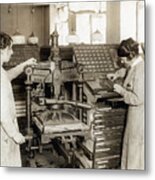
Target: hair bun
5,40
127,47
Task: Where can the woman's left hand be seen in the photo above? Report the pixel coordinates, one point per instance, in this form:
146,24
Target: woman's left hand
118,88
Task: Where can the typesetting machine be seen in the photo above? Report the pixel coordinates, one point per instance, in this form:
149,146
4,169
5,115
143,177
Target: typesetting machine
73,106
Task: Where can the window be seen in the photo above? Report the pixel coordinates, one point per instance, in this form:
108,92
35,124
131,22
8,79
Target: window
84,22
91,23
132,20
128,19
83,27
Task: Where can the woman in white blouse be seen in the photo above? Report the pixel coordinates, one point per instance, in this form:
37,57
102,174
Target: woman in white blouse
11,138
133,93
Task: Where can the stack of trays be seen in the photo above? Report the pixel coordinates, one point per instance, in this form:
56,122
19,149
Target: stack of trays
108,130
108,133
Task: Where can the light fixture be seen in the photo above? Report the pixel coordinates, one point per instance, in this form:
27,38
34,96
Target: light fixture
9,8
73,38
32,39
97,36
17,37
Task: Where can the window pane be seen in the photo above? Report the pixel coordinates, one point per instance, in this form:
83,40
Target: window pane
62,29
128,19
83,27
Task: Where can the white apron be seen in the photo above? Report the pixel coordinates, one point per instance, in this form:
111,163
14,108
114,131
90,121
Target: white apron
10,152
133,145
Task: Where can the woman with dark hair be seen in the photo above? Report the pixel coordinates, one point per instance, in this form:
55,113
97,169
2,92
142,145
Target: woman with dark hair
132,92
10,135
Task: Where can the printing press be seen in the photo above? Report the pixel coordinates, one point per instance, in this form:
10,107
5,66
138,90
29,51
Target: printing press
72,104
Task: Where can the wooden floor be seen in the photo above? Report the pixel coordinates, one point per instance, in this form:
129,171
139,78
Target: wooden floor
49,158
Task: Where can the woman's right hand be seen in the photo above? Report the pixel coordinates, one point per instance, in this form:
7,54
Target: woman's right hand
111,76
19,138
32,61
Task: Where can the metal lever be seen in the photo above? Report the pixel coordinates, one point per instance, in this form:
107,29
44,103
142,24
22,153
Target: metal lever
28,137
73,103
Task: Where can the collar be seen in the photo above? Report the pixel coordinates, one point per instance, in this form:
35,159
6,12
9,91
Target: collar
136,61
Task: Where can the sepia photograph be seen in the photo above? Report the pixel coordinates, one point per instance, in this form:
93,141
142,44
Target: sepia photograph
73,85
